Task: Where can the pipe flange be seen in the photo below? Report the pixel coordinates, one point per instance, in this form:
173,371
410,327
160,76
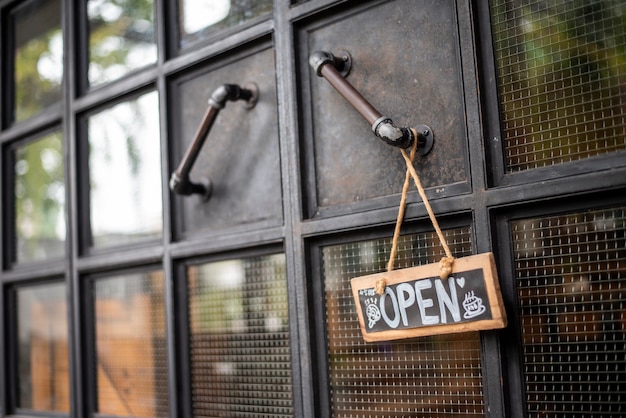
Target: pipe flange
343,62
426,139
254,91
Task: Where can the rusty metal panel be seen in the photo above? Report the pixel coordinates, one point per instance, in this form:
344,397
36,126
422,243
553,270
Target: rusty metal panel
406,62
240,155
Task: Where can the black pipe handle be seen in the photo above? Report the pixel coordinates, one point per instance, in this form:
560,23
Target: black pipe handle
180,182
382,126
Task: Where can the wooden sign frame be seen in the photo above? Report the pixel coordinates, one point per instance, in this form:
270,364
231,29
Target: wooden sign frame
422,303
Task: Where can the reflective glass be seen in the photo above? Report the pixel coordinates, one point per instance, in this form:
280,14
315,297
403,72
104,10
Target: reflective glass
571,292
38,55
131,354
561,66
239,338
43,363
199,18
125,172
122,38
40,199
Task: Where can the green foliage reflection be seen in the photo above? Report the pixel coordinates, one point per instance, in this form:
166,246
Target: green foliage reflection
40,199
38,66
121,37
562,76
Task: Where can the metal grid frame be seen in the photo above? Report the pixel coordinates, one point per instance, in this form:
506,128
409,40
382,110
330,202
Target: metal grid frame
582,180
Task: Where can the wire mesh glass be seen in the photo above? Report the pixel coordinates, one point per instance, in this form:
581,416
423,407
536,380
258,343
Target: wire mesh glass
571,284
561,67
434,376
239,338
131,354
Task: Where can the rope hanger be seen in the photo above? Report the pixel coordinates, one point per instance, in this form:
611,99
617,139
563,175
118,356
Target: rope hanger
446,261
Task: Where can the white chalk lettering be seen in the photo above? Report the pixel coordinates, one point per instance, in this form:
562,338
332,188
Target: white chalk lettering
423,303
396,320
448,301
406,298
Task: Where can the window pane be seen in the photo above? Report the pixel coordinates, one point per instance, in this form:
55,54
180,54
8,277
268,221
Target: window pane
38,54
239,338
428,377
122,38
131,345
40,199
43,363
571,286
199,18
561,67
125,172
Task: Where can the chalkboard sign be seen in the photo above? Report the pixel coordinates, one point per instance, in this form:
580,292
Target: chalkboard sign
417,302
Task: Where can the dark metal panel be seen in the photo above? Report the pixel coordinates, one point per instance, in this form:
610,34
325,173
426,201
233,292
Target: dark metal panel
406,61
240,155
386,216
227,242
303,368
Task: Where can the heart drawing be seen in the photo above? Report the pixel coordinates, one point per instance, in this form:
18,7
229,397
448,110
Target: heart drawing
460,281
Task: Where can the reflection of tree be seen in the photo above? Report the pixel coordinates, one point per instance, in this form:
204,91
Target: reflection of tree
562,76
38,64
39,192
123,163
239,12
121,37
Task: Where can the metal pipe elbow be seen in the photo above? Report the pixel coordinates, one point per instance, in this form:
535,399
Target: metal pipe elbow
385,129
222,94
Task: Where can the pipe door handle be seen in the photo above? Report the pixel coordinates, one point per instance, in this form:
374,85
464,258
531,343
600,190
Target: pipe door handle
334,69
179,181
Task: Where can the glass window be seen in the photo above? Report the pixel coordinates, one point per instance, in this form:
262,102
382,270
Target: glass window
40,199
122,38
561,67
125,172
199,18
131,354
571,286
427,377
38,55
239,338
43,362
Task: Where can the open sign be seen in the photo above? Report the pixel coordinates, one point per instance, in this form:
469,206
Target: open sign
417,302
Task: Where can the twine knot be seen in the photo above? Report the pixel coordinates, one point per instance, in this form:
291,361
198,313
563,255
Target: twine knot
380,286
445,267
